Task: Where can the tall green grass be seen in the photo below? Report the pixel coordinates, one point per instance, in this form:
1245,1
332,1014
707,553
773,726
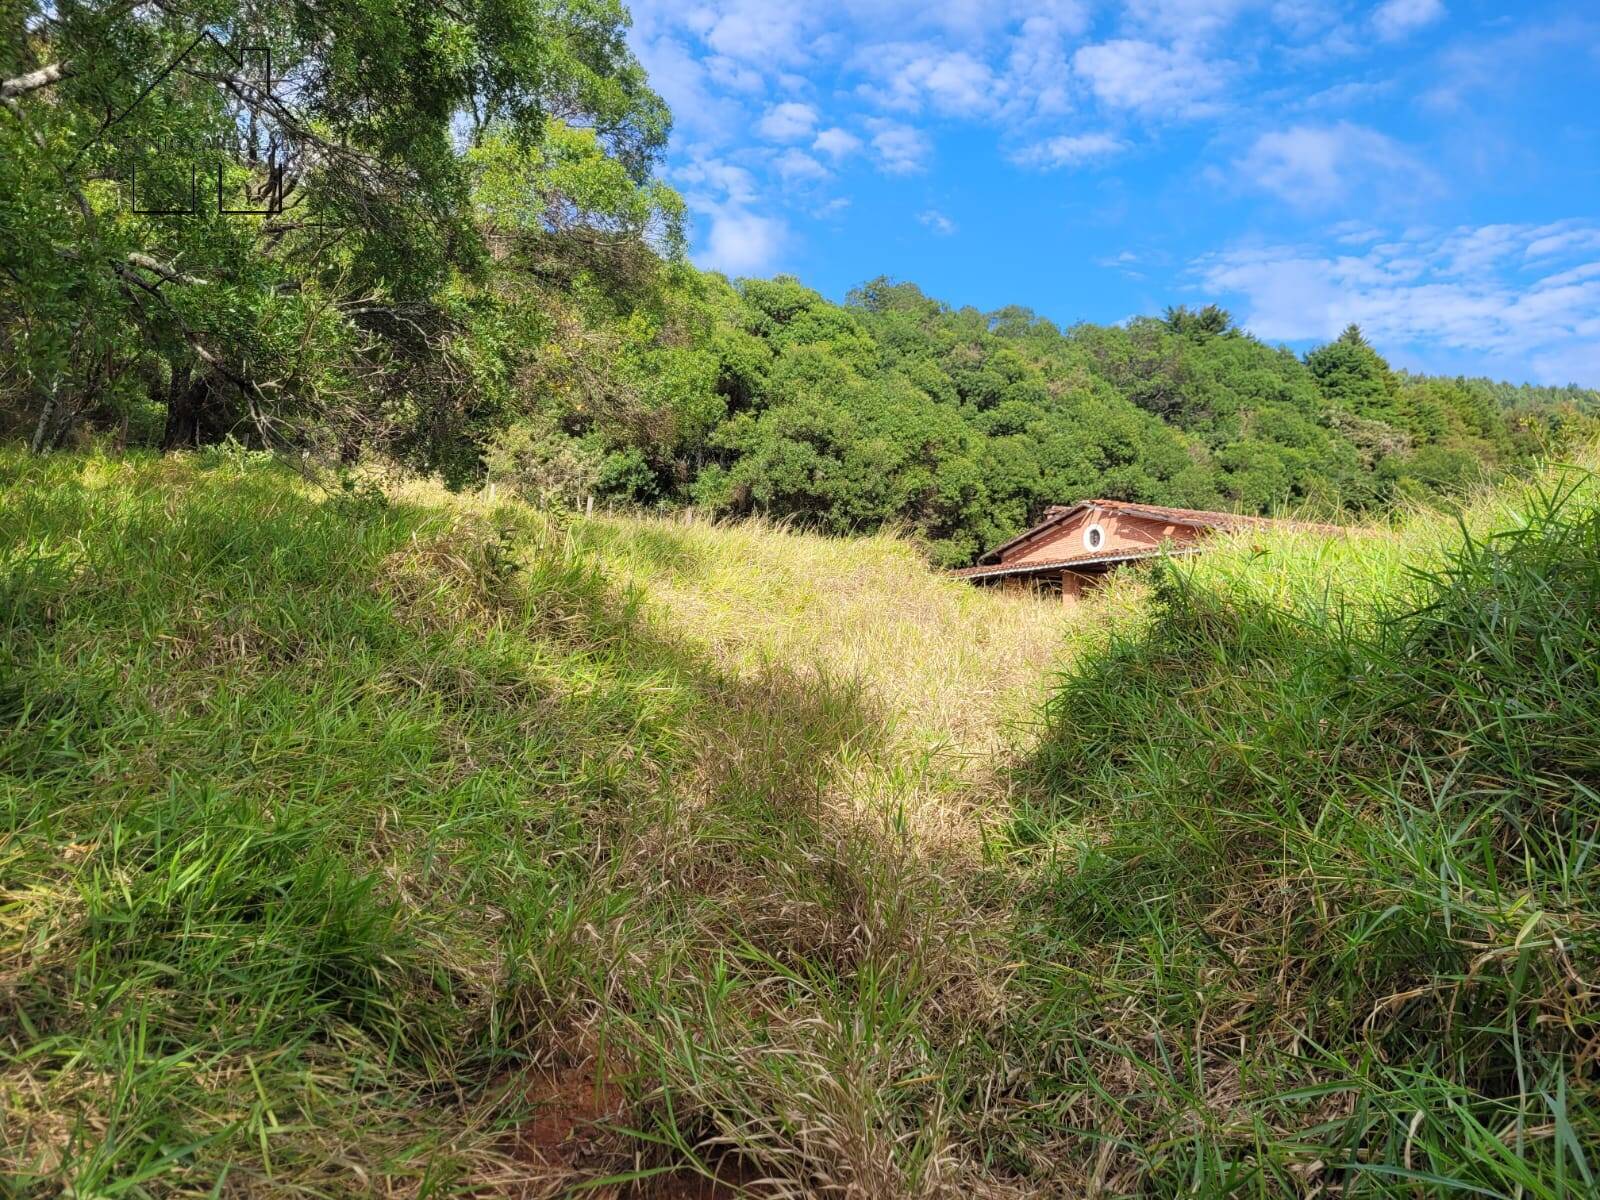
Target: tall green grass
343,840
430,846
1316,902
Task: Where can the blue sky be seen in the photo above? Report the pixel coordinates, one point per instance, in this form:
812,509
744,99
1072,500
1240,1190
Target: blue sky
1428,168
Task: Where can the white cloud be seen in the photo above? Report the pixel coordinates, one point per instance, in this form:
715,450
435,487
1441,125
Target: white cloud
756,31
742,242
900,149
1577,274
1355,233
911,75
1038,68
1570,364
1562,236
689,88
1314,166
1395,19
1348,94
837,143
727,182
1304,18
738,239
1511,62
1185,18
1125,263
1155,81
788,122
938,222
786,35
1069,150
734,75
1473,251
796,166
1464,290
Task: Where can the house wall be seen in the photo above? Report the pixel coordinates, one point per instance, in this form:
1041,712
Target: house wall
1125,533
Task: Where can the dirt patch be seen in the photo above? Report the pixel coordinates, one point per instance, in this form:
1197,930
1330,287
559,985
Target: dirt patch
576,1131
577,1110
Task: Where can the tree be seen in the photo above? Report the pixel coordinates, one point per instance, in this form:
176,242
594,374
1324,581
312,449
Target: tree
1198,324
349,145
1355,377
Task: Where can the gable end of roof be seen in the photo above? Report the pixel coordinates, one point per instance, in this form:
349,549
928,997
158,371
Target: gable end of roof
1194,517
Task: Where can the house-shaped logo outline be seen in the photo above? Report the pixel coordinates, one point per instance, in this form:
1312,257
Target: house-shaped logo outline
239,58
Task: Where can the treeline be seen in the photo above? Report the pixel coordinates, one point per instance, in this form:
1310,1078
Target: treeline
475,272
965,425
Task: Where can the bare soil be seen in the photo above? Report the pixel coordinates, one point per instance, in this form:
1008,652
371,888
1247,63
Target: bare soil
578,1115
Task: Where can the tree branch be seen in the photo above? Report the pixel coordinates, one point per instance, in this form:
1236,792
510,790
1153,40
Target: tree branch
170,274
34,80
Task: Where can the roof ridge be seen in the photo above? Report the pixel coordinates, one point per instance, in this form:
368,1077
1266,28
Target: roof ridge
1055,513
1251,518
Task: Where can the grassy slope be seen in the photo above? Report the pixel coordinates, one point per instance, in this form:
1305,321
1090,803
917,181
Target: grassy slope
330,825
1312,862
341,838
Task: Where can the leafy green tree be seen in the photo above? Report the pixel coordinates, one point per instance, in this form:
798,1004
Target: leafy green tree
1355,377
475,271
350,145
1198,324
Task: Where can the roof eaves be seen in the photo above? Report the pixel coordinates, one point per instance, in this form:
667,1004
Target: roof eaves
1082,560
1050,522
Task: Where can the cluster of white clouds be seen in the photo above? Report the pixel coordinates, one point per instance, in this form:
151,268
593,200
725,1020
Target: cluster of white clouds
1154,80
1517,293
795,93
1311,166
1395,19
1069,150
779,105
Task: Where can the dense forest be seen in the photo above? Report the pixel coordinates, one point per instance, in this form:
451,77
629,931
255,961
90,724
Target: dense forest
471,267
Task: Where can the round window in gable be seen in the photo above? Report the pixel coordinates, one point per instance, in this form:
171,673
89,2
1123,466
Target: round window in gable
1094,537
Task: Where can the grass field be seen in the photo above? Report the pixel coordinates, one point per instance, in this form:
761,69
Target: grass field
429,846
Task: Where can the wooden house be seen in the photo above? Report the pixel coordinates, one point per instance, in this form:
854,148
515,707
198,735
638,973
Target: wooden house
1075,545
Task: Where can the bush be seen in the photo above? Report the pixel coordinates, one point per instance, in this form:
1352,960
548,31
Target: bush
542,465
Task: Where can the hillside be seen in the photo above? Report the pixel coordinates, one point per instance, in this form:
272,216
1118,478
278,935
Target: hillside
338,832
425,843
508,299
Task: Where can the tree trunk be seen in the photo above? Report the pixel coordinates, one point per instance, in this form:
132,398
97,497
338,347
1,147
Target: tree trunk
43,432
185,398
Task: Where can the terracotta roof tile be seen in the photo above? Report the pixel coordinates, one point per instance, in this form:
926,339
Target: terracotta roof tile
1221,520
1086,559
1057,513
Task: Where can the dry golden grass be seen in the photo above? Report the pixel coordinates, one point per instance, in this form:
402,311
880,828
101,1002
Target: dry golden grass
952,671
949,661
